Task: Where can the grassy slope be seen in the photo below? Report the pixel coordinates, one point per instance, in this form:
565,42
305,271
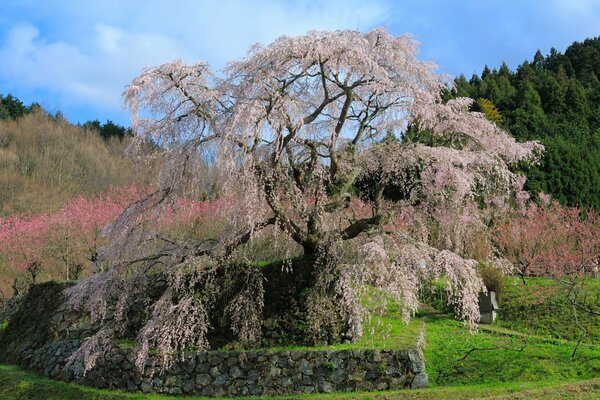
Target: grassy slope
539,307
16,384
533,341
511,364
503,357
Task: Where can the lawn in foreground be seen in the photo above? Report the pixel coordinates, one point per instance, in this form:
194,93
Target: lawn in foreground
509,365
497,362
17,384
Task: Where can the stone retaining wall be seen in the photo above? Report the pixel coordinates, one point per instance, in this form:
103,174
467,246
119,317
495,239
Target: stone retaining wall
42,336
214,373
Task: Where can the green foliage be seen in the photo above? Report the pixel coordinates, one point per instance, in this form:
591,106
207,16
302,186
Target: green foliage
506,356
540,307
556,100
13,108
108,130
493,278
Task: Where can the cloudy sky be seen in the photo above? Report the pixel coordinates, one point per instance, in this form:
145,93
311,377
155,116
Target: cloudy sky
77,56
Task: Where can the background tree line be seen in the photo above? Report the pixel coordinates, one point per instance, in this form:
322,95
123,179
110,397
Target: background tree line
45,160
11,108
554,99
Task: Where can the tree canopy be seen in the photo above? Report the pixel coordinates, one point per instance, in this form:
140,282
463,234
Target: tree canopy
293,127
554,99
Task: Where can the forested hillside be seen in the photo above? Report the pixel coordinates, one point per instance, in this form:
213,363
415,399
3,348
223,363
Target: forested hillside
556,100
45,160
59,184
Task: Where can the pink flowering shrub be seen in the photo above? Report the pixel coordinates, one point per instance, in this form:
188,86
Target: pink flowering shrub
551,240
63,243
187,218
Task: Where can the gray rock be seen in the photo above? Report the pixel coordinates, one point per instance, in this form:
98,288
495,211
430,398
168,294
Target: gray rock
202,357
188,386
391,370
358,375
417,366
338,376
325,387
305,368
174,390
420,381
189,365
254,390
307,389
132,387
337,362
203,379
274,372
253,375
117,358
65,375
55,371
398,383
231,361
221,380
100,382
146,386
156,382
285,381
415,355
372,374
235,372
376,356
202,367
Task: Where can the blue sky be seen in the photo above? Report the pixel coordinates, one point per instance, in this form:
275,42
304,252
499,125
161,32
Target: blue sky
77,56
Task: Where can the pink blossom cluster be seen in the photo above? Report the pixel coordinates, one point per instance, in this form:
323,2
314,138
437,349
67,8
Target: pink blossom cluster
186,211
551,240
58,240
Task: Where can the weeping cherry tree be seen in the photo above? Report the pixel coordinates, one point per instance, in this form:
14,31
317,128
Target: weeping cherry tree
293,127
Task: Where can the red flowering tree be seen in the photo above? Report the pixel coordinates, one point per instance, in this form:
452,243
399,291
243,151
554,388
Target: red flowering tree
562,243
293,126
551,240
61,244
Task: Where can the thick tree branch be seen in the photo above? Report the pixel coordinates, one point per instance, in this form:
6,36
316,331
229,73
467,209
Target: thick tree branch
360,226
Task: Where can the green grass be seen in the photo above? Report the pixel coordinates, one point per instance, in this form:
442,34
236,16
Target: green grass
381,332
17,384
505,356
539,307
522,358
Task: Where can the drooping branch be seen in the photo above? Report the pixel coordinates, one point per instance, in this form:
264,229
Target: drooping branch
362,225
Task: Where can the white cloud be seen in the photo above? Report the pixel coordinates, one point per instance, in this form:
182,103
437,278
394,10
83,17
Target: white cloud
86,56
94,74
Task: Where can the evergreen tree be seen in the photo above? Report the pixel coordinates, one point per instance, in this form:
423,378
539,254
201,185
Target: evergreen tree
529,118
554,99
